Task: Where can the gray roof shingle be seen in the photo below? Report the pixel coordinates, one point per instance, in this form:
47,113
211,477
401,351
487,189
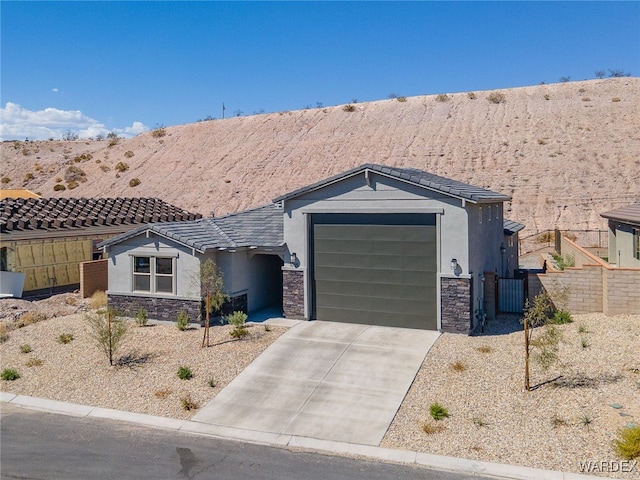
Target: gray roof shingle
511,227
417,177
261,227
627,214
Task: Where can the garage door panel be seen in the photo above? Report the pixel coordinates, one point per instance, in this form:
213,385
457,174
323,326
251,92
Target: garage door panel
408,277
398,318
383,273
375,262
376,290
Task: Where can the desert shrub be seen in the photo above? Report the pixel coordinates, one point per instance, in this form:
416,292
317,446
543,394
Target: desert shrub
113,139
85,157
107,330
58,187
479,422
237,320
65,338
349,108
441,97
557,422
72,184
129,154
496,97
28,176
627,444
484,349
104,168
546,237
75,174
547,96
438,412
4,336
26,348
159,132
560,317
184,372
27,318
471,95
33,362
182,321
458,366
187,403
430,428
9,374
615,99
122,167
134,182
402,99
582,328
142,317
563,261
212,382
98,299
5,180
163,393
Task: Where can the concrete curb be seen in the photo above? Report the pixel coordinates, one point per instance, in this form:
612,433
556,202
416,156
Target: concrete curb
436,462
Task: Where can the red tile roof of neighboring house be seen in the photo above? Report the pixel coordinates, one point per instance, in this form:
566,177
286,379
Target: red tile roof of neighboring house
38,217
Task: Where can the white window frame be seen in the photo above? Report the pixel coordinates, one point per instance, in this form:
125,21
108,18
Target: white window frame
153,274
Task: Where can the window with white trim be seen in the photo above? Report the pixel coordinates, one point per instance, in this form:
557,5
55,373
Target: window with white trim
153,274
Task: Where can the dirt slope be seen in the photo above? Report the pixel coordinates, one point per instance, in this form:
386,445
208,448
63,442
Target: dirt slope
565,152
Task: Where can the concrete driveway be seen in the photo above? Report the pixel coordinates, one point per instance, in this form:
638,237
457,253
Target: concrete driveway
325,380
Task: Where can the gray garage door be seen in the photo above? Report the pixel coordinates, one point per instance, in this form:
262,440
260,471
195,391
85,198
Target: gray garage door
377,269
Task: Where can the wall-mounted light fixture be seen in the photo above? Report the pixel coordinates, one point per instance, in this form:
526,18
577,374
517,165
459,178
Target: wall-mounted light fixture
454,264
294,259
502,249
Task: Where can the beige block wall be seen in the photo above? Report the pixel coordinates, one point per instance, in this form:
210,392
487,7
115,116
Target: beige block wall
584,288
621,291
579,254
93,277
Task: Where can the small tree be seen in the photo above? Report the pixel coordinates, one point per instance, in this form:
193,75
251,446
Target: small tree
212,289
538,314
237,320
108,330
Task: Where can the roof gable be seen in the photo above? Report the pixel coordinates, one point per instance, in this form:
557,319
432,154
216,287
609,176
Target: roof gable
420,178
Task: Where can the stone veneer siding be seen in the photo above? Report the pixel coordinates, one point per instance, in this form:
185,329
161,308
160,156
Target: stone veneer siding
456,305
293,293
166,308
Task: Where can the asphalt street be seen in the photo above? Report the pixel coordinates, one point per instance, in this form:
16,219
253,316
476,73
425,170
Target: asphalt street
39,445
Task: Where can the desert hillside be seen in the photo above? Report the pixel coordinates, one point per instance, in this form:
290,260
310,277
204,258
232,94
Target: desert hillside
564,152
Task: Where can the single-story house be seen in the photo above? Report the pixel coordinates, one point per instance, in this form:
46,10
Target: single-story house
624,235
375,245
45,239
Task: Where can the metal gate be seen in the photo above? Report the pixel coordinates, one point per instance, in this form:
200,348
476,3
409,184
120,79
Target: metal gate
510,295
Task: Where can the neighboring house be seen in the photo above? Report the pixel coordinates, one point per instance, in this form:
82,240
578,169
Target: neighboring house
624,236
156,267
374,245
47,238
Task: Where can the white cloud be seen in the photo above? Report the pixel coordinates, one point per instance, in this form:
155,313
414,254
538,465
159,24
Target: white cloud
18,123
55,90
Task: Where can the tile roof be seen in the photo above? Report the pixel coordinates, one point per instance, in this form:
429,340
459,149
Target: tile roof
417,177
38,217
626,214
261,227
511,227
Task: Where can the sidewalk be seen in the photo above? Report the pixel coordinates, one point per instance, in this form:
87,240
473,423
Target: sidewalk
436,462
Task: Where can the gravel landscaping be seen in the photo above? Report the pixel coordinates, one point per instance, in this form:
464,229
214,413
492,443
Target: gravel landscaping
480,380
567,419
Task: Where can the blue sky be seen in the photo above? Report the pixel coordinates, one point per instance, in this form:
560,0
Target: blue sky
95,67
